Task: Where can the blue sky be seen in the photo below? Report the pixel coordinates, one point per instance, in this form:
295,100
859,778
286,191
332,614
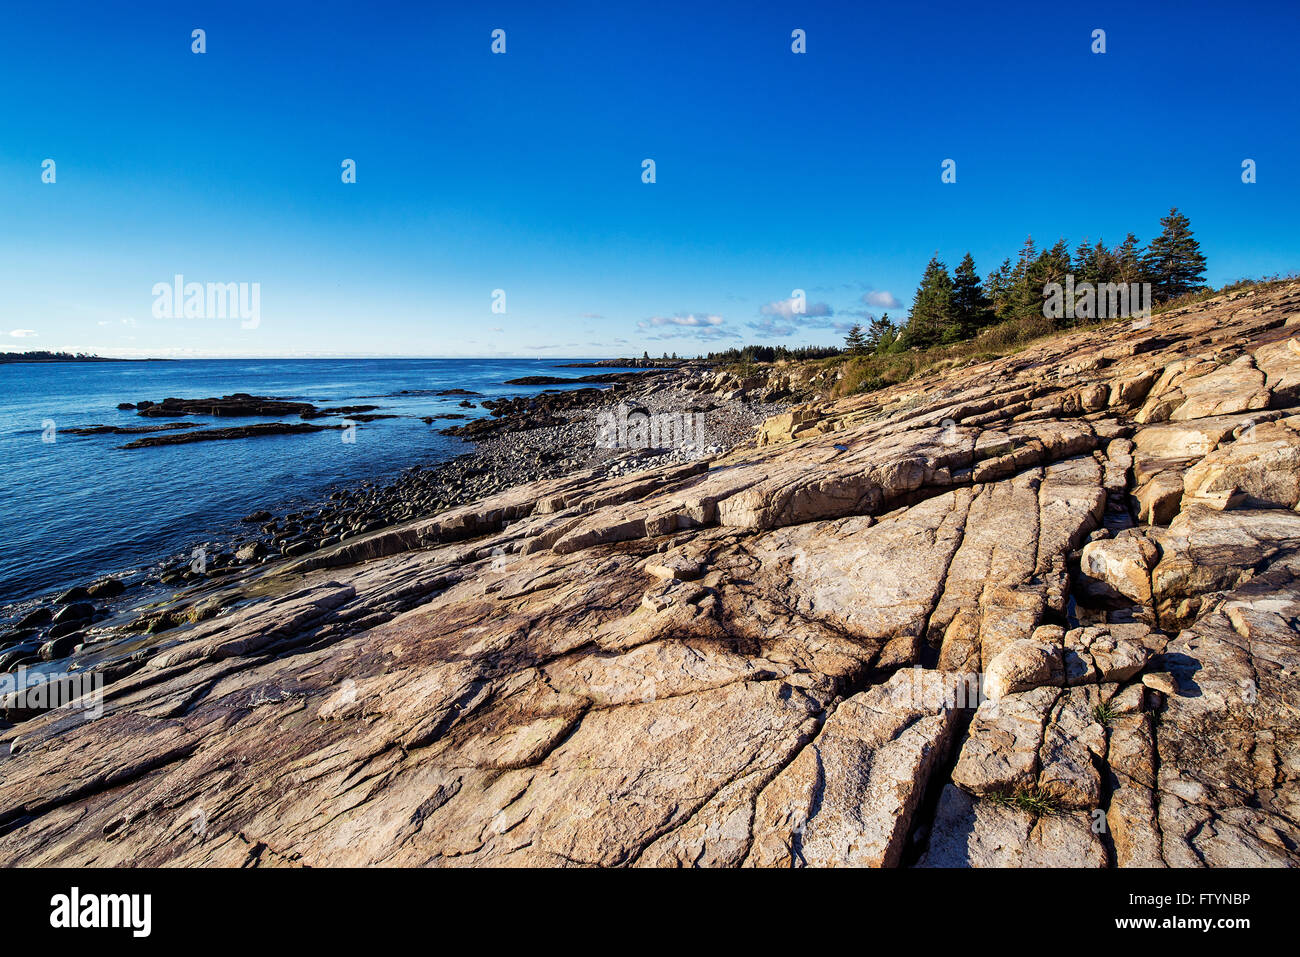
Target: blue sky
522,172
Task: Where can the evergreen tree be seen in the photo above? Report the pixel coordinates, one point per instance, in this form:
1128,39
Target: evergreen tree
1023,300
855,343
1104,267
1051,266
1094,264
948,308
1083,267
1128,258
972,306
1173,260
1055,262
934,316
873,333
880,334
888,336
998,289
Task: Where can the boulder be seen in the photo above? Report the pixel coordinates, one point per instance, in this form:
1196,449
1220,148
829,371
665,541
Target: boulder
1120,567
1022,665
1259,470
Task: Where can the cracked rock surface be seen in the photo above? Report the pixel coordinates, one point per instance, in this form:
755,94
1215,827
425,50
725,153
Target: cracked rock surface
1036,612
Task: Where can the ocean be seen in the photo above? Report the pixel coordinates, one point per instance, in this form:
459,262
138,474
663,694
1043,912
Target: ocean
79,507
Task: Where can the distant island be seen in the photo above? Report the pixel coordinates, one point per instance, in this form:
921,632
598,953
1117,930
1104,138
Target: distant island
42,355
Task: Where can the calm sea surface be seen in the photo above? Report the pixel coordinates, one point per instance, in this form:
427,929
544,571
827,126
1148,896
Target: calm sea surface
81,506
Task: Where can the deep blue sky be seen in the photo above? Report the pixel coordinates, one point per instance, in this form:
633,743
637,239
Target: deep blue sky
522,171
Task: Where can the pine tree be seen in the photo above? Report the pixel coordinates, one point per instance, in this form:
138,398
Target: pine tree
1081,267
873,333
855,343
880,334
934,316
889,336
1055,262
998,289
1023,300
1051,266
1128,258
1104,267
1173,260
973,309
1094,264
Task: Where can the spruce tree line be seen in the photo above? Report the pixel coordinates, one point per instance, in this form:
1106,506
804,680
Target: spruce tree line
954,307
772,353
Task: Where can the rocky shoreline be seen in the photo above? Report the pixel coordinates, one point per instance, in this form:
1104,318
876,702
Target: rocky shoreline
525,439
1039,611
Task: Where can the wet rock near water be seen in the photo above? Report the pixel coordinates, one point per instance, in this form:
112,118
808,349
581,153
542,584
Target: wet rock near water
606,378
238,404
349,410
495,464
128,429
259,430
524,413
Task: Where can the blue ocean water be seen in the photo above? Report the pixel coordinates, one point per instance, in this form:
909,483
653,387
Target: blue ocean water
81,506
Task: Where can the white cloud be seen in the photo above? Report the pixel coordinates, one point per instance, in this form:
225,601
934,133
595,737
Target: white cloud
23,334
881,299
707,334
772,327
785,308
699,326
690,319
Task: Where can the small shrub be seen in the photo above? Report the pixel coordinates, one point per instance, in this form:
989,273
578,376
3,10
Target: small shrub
1034,800
1104,713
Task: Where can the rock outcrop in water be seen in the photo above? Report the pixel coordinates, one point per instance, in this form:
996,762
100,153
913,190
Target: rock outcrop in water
1035,612
237,405
236,432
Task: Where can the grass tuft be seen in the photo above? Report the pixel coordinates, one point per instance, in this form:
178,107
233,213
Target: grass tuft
1034,800
1104,713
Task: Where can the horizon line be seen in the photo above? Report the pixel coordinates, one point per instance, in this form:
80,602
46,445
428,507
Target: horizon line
89,357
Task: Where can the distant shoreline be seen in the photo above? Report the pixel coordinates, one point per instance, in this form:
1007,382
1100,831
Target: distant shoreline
14,358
